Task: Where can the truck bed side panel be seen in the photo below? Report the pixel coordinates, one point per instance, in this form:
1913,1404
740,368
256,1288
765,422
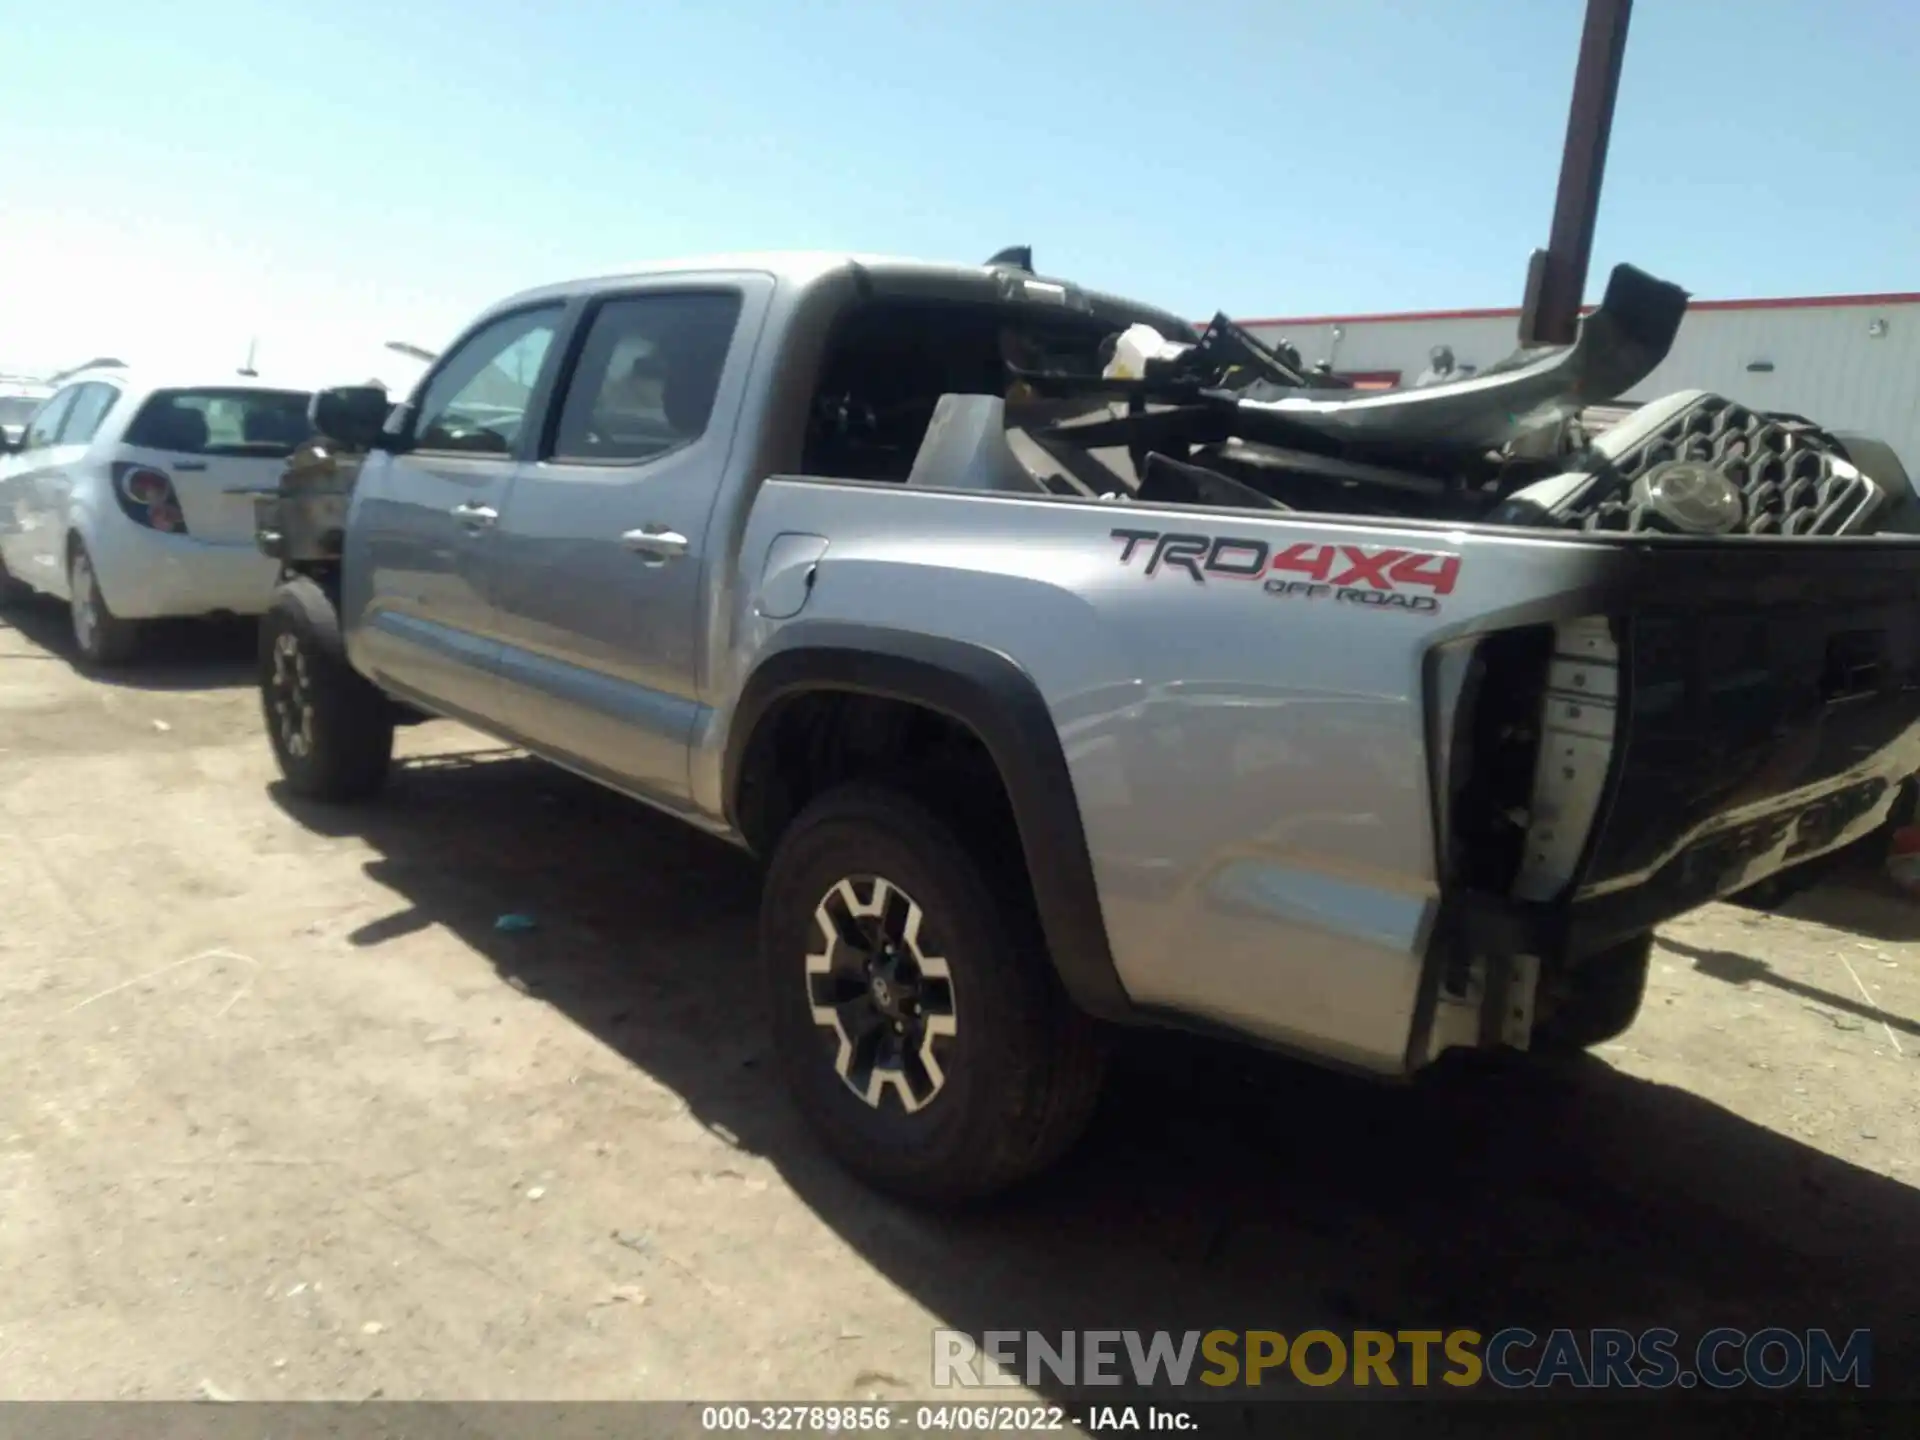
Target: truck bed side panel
1249,768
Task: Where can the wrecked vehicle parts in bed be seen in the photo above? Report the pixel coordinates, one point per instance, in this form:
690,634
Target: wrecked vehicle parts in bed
1694,463
1230,422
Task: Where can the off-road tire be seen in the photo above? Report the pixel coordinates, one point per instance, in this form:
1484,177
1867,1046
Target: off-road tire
1596,1001
330,728
1021,1073
101,639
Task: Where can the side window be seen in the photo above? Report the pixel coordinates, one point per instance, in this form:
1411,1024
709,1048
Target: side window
90,407
44,428
478,401
647,376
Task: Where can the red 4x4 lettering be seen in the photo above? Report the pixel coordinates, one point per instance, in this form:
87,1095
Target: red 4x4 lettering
1371,568
1386,569
1431,572
1313,561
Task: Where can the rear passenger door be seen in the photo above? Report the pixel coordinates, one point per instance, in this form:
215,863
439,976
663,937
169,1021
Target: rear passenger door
599,561
425,513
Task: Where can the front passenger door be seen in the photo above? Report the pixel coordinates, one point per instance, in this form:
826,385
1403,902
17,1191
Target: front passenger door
422,619
30,539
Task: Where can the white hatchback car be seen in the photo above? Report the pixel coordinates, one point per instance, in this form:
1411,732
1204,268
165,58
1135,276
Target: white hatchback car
129,498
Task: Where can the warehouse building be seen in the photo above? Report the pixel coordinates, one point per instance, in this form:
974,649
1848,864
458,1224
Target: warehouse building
1847,362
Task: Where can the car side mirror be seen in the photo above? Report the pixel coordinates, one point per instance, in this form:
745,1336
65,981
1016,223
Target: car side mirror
350,415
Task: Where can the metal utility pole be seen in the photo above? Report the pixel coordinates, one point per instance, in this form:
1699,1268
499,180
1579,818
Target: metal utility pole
1557,275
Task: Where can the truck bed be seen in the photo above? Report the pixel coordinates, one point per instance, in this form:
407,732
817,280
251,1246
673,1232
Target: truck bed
1310,753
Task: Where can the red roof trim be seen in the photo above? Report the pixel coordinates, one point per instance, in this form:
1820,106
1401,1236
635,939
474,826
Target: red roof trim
1789,302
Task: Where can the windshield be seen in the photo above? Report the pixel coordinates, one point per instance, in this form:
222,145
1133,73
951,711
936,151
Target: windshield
267,423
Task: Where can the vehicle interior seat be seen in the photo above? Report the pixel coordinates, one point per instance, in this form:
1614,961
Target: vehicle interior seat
691,381
177,427
273,425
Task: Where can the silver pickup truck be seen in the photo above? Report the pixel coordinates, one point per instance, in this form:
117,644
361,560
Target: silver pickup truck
1070,665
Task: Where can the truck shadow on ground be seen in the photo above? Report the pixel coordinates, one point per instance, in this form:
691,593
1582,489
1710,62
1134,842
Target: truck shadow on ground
1218,1188
174,654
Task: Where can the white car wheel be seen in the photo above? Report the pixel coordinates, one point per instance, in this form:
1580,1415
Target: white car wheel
86,618
101,637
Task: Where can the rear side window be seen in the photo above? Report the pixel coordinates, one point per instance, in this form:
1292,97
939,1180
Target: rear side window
46,420
89,409
647,376
267,423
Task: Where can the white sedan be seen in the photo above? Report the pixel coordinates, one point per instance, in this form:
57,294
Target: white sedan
128,498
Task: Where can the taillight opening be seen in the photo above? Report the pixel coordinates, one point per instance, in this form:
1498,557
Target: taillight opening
1494,756
148,498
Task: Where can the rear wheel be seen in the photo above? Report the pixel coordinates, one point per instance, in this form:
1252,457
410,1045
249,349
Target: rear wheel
330,728
915,1013
101,637
1596,1001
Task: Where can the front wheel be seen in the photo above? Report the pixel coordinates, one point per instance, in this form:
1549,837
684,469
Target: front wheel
330,728
915,1013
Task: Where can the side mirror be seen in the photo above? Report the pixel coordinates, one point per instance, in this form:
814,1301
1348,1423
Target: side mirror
350,415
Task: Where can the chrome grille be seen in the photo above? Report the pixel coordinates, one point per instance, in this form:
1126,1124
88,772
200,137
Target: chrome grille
1783,467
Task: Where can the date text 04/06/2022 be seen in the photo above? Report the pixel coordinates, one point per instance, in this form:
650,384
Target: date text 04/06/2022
962,1418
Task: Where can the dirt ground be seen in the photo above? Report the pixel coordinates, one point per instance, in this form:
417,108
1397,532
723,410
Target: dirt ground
286,1115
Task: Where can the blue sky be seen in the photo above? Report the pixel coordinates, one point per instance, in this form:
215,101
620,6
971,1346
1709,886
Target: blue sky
182,176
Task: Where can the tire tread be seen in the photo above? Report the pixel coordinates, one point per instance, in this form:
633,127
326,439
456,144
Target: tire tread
353,719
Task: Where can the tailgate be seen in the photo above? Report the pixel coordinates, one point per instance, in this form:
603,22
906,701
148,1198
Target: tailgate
1768,711
215,491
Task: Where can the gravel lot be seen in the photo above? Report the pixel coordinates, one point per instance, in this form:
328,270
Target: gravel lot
287,1116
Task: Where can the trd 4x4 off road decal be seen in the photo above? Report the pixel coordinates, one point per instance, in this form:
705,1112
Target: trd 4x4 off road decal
1379,577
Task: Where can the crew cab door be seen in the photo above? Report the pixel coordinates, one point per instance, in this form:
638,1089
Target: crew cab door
598,562
421,617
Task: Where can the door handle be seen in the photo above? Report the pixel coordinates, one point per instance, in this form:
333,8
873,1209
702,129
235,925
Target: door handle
656,541
478,515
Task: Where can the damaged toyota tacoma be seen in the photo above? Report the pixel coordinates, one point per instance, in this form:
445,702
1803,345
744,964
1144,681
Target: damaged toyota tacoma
1071,666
